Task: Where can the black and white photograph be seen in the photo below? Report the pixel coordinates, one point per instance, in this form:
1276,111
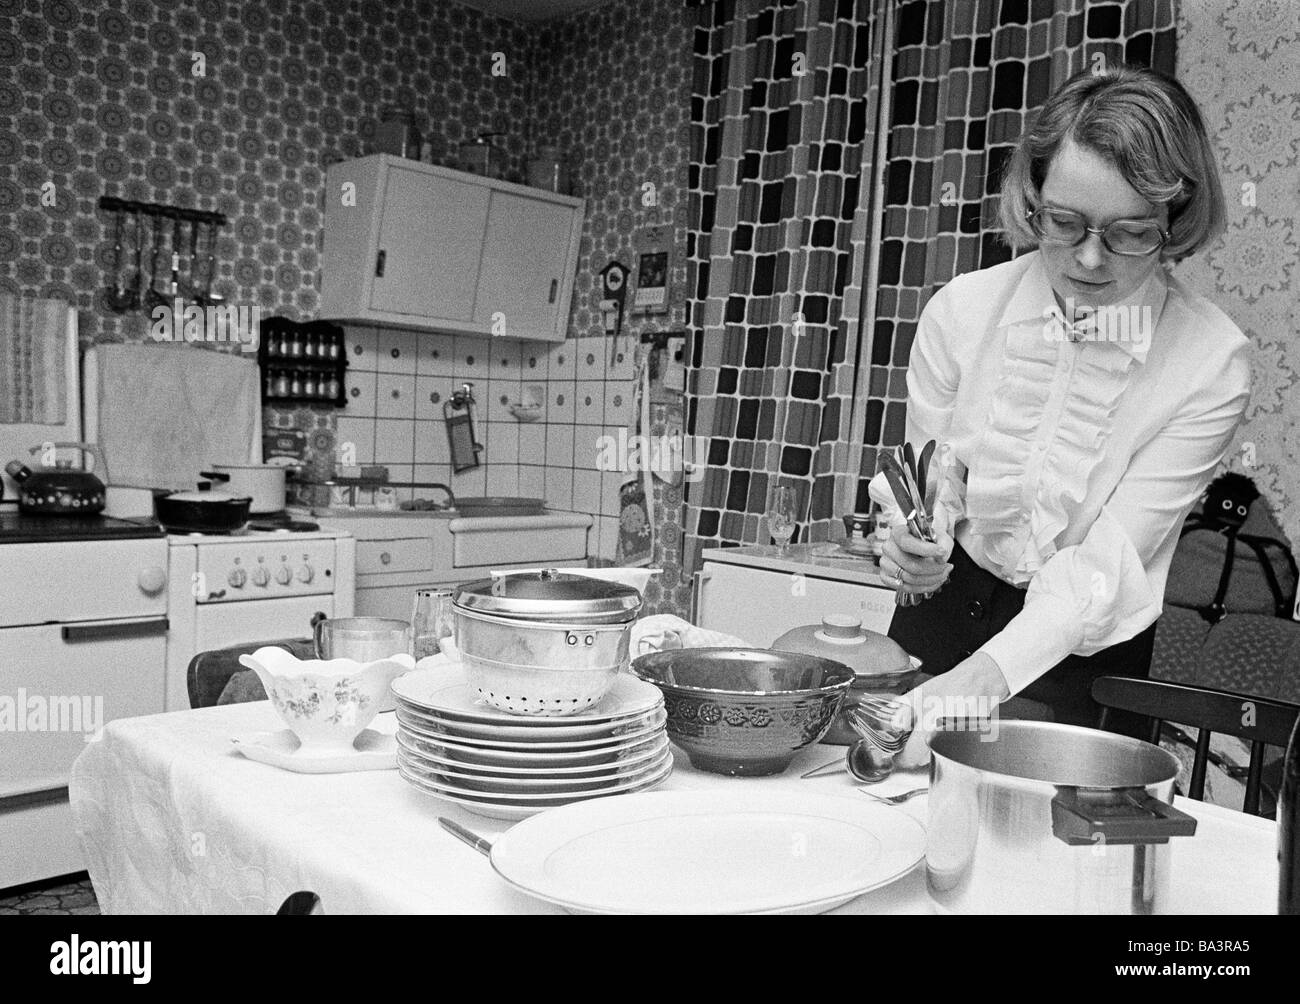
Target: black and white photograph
659,458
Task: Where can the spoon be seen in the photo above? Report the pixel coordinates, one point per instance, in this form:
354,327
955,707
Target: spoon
862,760
117,296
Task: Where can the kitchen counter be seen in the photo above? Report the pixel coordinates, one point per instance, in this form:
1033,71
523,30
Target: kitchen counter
802,559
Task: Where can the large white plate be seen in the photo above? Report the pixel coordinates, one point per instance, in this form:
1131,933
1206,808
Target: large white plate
490,759
436,723
505,808
492,786
446,691
437,755
425,729
523,797
759,851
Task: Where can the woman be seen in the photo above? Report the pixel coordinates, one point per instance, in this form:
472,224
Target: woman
1083,399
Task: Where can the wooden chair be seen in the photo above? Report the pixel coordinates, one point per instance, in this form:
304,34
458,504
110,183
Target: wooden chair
1260,721
217,676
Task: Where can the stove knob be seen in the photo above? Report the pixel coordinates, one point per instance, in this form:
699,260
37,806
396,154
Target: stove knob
283,575
305,574
152,580
237,577
261,577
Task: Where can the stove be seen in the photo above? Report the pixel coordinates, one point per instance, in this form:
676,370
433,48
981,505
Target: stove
251,587
21,528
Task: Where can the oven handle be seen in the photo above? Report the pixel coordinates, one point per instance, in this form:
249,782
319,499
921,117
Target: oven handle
121,628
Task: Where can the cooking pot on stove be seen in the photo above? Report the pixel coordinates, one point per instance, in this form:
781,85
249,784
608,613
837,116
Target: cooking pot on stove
1038,817
263,483
57,488
202,511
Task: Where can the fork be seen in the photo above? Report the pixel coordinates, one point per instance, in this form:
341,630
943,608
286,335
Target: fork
894,799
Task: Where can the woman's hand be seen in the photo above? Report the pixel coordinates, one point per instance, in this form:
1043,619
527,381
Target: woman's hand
971,689
912,565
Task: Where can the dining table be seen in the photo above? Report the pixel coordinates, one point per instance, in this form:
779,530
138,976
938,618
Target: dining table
173,820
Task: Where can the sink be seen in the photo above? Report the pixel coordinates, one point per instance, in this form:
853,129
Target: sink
498,505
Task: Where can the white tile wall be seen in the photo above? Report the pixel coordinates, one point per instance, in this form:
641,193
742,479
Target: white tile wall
589,402
363,345
397,349
431,445
472,359
559,403
436,355
563,362
503,442
532,481
356,436
425,389
394,441
586,490
559,445
395,396
361,393
559,487
470,483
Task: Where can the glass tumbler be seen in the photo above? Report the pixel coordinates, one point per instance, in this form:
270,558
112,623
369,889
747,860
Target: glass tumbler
431,621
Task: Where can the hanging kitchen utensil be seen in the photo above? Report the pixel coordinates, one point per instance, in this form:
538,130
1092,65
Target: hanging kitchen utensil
189,289
137,279
153,298
116,295
176,255
207,299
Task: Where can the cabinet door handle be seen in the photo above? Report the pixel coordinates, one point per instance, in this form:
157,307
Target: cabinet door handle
124,627
697,595
379,262
555,288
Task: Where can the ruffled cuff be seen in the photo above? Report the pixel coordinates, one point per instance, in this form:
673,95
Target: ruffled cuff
1036,639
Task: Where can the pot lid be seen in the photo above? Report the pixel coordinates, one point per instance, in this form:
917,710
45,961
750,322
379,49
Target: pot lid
203,495
842,638
550,594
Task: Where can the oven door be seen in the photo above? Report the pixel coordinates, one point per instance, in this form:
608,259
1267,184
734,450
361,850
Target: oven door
60,683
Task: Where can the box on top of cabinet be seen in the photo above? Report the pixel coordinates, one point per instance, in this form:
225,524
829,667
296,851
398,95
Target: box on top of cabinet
412,245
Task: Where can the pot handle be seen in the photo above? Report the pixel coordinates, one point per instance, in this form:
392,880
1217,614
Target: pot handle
215,475
1089,816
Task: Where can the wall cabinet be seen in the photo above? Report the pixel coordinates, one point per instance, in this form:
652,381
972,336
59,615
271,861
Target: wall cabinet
417,246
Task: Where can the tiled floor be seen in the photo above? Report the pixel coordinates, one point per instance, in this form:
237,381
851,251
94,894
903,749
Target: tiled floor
64,899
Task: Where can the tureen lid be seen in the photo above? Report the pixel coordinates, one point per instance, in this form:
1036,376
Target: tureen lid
550,594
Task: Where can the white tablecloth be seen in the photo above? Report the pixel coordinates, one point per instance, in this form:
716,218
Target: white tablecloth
174,821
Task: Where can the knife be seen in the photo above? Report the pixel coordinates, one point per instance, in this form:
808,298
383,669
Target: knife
923,474
898,485
479,844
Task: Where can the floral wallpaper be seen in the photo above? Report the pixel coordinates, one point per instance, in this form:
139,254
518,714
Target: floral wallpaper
1238,59
111,98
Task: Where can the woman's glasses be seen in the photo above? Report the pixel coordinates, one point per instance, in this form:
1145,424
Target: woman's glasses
1122,237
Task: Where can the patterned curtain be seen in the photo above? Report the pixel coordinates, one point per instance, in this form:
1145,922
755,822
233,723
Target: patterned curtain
783,117
966,76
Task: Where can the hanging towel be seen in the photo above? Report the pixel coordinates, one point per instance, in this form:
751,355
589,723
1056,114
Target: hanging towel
167,412
33,365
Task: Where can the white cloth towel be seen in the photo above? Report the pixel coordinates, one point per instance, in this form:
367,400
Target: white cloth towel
33,367
660,632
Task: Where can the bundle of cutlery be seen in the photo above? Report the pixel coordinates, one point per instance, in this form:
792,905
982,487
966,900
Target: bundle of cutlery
915,486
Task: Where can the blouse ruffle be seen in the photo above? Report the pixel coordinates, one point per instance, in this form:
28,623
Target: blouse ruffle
1019,514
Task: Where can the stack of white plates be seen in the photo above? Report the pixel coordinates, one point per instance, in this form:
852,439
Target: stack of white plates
511,766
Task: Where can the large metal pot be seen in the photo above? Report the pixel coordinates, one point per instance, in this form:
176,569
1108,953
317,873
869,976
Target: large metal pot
544,643
263,483
1037,817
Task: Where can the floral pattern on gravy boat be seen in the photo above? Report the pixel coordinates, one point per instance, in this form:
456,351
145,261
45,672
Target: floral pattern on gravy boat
325,702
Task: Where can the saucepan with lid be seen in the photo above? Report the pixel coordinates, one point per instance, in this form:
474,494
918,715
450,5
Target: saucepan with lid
1038,817
546,642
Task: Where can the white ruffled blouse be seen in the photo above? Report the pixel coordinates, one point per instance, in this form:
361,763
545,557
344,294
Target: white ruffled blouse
1075,453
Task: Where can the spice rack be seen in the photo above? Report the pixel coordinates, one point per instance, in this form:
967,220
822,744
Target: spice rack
302,363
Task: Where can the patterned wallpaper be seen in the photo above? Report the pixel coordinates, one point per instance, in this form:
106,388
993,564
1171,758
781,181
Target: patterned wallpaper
1238,59
103,98
612,90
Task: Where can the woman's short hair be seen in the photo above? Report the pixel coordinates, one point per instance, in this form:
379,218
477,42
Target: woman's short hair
1145,124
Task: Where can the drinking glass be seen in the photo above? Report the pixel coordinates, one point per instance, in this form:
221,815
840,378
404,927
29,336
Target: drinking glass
781,516
431,621
361,639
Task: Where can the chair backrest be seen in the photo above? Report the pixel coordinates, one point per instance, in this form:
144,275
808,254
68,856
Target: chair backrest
303,903
1261,721
209,672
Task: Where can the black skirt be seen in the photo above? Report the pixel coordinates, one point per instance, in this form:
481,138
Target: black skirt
974,605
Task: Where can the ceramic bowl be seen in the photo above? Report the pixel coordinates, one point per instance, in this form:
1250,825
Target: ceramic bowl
325,702
745,712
